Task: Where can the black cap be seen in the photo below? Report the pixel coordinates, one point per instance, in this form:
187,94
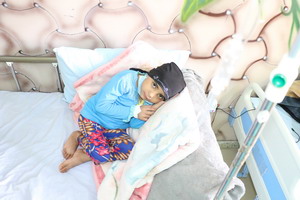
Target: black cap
170,79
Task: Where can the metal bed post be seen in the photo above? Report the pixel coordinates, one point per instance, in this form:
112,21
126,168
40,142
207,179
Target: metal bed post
13,72
59,81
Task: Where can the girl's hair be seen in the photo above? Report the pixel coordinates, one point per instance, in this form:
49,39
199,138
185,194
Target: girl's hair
139,70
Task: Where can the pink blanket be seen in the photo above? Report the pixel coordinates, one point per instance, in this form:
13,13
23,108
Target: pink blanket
167,137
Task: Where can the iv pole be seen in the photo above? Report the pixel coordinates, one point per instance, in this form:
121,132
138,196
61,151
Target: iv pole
281,79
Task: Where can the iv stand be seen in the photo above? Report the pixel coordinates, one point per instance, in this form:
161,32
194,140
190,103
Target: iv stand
281,79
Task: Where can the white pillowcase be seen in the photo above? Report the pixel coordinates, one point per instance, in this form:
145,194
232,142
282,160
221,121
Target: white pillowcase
74,63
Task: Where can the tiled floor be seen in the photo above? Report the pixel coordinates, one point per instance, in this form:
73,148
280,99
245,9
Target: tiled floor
228,155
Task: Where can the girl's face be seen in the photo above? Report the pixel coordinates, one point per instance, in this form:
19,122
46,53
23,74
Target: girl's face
151,91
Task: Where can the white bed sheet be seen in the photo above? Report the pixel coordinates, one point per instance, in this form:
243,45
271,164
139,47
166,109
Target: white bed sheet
33,129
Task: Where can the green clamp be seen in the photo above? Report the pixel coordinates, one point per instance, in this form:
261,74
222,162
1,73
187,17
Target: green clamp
279,80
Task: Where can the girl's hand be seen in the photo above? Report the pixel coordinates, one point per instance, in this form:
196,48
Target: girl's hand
148,110
157,105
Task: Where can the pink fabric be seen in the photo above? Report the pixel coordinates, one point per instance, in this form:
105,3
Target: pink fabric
91,83
98,174
140,193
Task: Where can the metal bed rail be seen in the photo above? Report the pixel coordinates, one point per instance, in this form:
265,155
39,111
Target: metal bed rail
28,59
10,60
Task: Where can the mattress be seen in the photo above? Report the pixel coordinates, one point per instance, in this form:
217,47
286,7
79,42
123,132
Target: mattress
33,129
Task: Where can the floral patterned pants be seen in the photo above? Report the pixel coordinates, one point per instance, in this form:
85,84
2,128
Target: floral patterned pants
101,144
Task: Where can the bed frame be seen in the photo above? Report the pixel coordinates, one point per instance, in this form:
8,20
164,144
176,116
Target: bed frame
274,163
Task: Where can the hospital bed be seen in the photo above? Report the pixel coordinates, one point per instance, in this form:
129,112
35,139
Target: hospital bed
274,163
35,122
35,125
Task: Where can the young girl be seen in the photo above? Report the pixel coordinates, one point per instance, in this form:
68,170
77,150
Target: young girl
129,99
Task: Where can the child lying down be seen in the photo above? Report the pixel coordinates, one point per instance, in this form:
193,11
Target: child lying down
129,99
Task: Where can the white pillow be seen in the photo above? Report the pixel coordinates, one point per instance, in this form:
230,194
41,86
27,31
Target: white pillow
74,63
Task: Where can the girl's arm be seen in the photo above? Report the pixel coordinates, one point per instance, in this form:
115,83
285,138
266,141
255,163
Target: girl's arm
136,123
146,112
110,92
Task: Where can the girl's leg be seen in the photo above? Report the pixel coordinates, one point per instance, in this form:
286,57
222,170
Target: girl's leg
104,145
93,141
96,146
78,158
71,145
120,144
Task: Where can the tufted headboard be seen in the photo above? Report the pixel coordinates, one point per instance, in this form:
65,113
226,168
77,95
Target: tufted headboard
31,29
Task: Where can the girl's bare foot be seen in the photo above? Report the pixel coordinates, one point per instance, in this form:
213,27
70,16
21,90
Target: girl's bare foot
78,158
71,145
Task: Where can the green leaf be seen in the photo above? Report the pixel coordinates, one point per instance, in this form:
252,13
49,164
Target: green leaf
295,27
191,6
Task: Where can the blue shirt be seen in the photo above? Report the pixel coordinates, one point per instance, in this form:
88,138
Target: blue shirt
112,107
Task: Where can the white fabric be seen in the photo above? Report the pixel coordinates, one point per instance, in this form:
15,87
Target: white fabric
74,63
136,111
33,129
